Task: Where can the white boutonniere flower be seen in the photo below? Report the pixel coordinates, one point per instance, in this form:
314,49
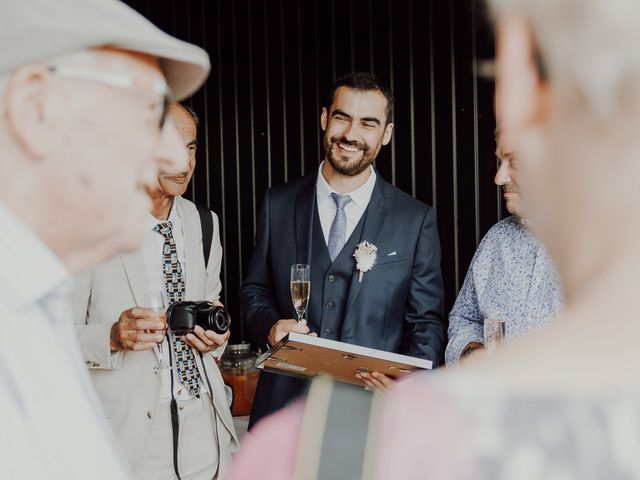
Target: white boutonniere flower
366,254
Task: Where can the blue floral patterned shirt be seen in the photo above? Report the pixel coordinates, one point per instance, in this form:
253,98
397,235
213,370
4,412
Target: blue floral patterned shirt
510,278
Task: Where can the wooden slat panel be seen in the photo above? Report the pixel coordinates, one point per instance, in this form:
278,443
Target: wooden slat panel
273,61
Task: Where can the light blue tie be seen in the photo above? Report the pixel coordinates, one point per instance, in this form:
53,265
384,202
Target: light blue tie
338,232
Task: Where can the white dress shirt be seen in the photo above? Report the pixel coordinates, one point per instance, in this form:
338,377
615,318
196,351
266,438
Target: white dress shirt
153,260
51,423
360,199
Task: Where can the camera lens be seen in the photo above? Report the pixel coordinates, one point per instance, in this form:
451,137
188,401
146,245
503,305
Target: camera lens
214,318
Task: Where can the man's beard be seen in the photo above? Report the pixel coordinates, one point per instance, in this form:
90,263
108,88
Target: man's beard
348,168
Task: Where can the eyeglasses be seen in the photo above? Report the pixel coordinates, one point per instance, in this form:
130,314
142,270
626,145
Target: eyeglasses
119,81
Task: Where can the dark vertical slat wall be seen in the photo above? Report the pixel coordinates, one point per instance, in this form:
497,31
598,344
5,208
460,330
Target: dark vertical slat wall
273,61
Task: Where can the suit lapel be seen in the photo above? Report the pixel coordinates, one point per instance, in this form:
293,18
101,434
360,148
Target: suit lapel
192,238
136,274
305,209
376,215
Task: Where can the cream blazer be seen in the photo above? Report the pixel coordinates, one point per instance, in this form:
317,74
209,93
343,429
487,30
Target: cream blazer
128,383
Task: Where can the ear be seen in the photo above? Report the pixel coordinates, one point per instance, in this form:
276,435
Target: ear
521,96
388,130
324,117
27,98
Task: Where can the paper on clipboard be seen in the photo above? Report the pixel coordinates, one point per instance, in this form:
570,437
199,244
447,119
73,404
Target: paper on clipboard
305,356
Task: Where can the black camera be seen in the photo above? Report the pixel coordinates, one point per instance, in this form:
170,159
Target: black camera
184,316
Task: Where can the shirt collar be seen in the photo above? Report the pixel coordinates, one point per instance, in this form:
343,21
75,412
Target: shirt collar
30,270
360,196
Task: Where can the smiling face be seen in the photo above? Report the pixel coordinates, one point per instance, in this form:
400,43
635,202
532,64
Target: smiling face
355,129
173,184
112,156
86,149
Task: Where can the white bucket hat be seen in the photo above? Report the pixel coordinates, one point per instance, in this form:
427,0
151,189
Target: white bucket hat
35,30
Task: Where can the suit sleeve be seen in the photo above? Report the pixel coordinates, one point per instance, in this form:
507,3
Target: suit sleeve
424,311
94,337
257,295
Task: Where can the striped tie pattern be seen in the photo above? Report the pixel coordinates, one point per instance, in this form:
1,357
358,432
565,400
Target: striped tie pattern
174,284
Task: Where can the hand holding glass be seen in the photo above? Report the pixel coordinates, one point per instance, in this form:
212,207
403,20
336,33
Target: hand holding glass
493,334
300,287
156,302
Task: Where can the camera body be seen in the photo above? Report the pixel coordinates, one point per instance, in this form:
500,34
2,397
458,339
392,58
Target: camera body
182,317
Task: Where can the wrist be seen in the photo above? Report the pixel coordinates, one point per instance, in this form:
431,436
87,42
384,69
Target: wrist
114,342
271,337
470,348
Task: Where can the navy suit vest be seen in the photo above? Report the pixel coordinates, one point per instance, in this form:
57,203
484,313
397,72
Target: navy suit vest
330,282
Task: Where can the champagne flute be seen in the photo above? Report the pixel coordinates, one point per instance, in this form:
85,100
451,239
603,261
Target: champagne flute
493,334
157,302
300,287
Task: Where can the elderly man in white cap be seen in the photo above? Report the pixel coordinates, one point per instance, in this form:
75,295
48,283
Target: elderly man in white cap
84,86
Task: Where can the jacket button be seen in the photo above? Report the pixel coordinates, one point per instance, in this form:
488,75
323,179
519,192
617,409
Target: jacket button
326,331
331,279
330,305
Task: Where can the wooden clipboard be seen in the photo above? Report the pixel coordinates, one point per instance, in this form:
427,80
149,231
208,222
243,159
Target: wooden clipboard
303,356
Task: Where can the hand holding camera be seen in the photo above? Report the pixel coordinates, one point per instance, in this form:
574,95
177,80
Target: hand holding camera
204,325
206,341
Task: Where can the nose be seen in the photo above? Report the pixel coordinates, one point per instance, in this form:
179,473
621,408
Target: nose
503,176
171,157
351,132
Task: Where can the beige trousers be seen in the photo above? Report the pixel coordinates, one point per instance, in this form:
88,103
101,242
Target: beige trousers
197,443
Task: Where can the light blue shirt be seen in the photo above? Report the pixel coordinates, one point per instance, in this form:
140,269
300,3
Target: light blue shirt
510,278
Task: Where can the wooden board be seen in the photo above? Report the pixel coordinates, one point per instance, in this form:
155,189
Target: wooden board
304,356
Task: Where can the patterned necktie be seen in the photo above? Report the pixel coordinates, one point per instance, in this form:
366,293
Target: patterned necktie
174,283
338,232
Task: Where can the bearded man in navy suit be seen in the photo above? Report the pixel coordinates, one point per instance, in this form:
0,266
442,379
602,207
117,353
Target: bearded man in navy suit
321,220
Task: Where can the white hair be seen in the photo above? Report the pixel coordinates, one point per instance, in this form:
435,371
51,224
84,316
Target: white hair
590,50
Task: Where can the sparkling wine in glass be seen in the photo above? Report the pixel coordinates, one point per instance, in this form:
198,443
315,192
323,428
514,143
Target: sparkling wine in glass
300,286
493,334
157,302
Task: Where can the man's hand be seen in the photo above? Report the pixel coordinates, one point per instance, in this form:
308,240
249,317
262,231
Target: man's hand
137,329
283,327
472,350
206,341
376,381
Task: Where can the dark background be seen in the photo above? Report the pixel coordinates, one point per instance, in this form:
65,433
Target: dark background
274,60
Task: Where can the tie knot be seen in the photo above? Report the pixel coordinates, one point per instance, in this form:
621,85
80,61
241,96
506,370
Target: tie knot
164,228
341,201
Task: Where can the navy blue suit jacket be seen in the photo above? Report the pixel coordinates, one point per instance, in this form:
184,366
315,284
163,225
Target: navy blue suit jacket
398,306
